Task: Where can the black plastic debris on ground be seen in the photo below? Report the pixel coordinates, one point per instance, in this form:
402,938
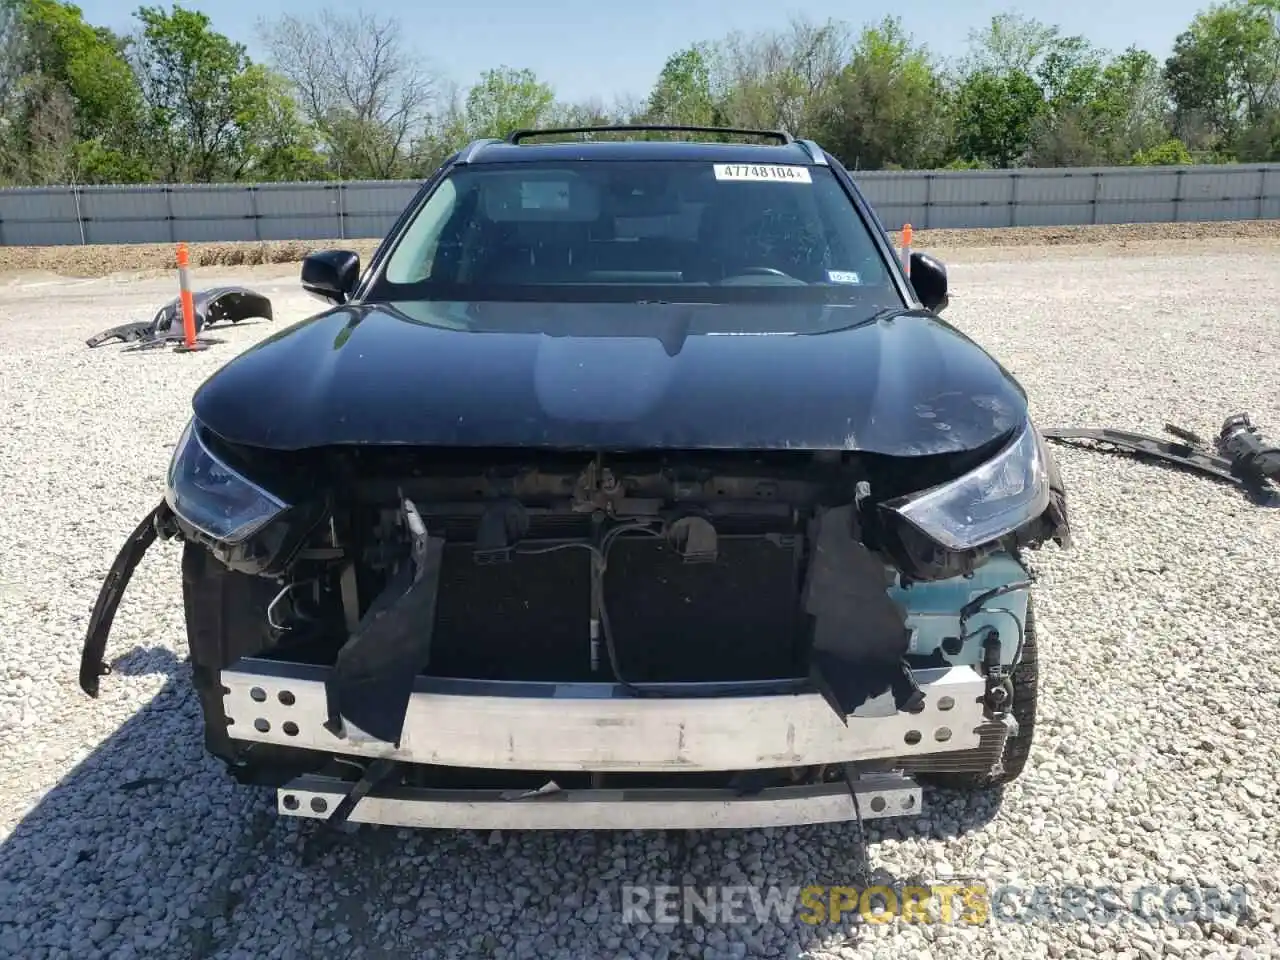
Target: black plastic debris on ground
213,306
1239,456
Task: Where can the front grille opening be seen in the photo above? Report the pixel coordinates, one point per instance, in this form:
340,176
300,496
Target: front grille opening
736,619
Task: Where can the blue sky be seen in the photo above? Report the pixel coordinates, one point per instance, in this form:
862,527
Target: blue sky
587,48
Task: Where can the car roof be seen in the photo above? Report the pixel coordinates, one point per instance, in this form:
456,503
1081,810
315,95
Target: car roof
498,151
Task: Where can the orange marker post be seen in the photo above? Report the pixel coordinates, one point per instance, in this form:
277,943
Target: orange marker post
906,248
189,342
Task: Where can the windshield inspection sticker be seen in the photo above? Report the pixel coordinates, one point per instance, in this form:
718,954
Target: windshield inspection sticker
843,276
762,174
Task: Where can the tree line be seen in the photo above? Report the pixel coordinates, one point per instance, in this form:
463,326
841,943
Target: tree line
344,96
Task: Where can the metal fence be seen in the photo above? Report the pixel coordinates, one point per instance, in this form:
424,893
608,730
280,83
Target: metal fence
157,213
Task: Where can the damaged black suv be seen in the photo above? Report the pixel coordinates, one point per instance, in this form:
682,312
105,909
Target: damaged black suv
633,483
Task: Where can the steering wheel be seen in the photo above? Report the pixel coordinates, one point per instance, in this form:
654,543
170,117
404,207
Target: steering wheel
761,272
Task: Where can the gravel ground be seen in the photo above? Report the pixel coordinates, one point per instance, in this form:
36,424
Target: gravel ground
1155,763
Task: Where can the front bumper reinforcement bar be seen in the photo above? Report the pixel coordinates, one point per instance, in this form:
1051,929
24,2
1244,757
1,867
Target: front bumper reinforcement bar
878,796
509,725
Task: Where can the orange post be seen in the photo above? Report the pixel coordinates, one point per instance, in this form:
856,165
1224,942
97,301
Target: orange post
906,248
189,341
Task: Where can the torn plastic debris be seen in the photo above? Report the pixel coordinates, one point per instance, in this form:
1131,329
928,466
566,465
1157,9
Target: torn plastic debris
372,679
860,638
546,790
1242,458
212,306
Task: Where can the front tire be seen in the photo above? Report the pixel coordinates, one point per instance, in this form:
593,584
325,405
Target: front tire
1017,748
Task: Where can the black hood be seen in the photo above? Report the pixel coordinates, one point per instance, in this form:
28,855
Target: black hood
615,377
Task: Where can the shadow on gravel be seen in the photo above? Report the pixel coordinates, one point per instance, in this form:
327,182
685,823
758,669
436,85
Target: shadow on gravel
147,848
145,661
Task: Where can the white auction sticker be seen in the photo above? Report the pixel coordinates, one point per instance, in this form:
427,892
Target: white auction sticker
761,173
843,276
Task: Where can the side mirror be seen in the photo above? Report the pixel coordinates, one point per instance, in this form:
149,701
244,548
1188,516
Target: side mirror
929,278
331,275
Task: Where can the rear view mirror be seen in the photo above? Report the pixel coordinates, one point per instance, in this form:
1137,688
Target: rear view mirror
929,278
331,275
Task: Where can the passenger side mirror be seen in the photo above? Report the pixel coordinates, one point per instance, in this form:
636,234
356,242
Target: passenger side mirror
331,275
929,278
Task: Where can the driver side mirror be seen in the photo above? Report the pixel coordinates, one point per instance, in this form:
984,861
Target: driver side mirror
929,278
331,275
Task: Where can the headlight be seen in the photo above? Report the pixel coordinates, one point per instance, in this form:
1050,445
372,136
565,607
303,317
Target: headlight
212,497
989,501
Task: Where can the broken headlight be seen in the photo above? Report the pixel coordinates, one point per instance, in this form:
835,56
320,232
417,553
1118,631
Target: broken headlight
987,502
212,497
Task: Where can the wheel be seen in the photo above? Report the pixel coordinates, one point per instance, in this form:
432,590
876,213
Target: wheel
1017,748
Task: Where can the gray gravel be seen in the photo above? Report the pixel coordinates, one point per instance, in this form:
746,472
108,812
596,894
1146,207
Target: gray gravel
1156,762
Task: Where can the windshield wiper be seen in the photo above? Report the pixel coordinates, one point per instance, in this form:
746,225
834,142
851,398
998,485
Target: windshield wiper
885,313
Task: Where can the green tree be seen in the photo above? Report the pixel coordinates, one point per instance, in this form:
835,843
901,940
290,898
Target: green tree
506,99
1260,142
1171,153
277,143
683,93
1224,73
996,116
888,106
77,76
779,79
1068,132
209,106
1010,43
1131,105
89,61
361,86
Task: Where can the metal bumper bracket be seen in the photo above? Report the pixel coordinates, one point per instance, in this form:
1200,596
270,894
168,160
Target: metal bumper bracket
877,797
498,725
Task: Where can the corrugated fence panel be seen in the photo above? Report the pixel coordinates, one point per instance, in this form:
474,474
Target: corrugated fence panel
898,197
208,214
1043,199
1270,203
124,215
1139,196
299,211
373,207
164,213
981,198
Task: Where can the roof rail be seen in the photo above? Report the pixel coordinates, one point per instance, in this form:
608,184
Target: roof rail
469,152
815,152
781,136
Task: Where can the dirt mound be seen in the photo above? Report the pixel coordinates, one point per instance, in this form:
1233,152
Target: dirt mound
98,260
1109,233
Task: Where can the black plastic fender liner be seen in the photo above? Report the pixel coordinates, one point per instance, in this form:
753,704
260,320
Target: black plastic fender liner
860,635
373,675
125,333
226,619
93,665
1179,453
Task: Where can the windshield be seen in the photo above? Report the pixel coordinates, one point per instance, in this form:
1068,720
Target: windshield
621,231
